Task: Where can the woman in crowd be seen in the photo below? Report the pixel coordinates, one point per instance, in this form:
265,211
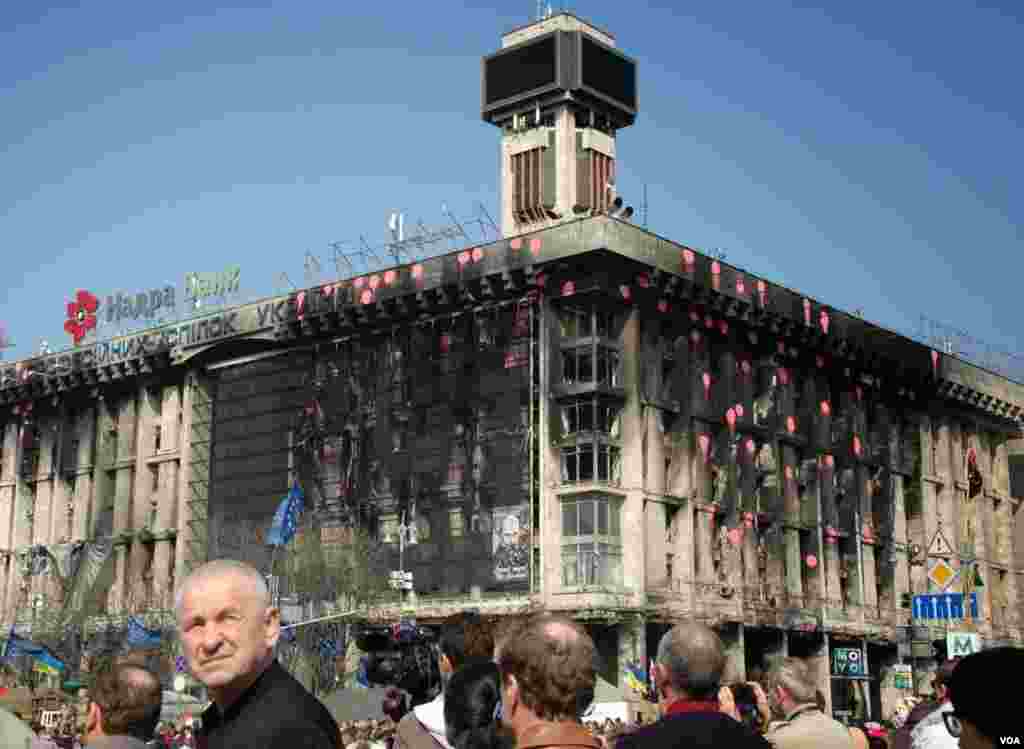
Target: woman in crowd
472,708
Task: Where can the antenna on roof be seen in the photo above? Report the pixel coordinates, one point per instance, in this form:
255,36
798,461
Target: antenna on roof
643,208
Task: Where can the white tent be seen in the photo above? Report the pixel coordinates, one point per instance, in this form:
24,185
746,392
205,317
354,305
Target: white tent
614,703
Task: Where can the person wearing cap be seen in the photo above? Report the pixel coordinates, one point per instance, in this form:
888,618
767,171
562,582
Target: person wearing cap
982,716
931,732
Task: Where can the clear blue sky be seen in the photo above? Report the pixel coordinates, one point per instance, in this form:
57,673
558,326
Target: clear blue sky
868,154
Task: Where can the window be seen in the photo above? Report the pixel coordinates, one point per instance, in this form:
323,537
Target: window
156,438
456,523
578,463
580,364
574,322
590,415
608,464
606,324
607,367
389,529
591,542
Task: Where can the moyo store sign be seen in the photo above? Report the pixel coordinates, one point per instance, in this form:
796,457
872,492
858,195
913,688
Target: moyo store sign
120,310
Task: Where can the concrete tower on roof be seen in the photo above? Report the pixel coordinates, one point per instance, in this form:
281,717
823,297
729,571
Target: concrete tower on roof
559,90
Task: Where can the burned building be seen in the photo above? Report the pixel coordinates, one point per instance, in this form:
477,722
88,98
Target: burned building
581,417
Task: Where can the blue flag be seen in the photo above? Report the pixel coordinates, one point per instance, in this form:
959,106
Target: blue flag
48,663
17,646
286,519
141,638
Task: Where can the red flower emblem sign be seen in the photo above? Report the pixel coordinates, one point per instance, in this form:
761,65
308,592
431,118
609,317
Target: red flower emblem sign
81,315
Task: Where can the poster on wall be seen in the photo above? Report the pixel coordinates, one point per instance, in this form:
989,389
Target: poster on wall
902,676
511,543
848,662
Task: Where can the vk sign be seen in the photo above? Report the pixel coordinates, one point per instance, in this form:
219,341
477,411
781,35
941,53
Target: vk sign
943,606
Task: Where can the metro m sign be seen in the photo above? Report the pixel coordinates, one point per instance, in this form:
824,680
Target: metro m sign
959,644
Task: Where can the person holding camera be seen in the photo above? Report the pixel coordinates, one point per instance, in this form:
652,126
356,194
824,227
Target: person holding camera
464,636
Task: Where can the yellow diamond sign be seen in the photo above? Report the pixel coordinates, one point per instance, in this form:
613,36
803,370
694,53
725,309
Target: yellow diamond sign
941,574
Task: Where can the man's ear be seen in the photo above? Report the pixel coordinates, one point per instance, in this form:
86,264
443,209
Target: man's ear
93,718
273,626
510,696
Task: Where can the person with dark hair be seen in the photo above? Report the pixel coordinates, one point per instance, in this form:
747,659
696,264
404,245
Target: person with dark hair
983,715
124,708
687,676
548,679
463,636
472,708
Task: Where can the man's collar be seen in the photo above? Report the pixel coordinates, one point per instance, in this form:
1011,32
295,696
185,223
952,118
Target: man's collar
213,714
799,710
692,706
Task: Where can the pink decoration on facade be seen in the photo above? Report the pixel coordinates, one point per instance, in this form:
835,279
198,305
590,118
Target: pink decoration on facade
745,369
823,318
780,347
300,305
706,379
807,312
688,259
709,322
568,288
723,327
739,410
748,520
735,536
478,254
831,535
643,281
663,306
327,290
375,282
830,461
826,408
463,257
366,297
694,317
783,376
935,361
857,447
790,424
811,561
788,472
819,360
535,246
359,282
716,268
390,277
741,286
730,419
445,343
762,293
417,271
751,447
627,293
705,446
541,280
516,244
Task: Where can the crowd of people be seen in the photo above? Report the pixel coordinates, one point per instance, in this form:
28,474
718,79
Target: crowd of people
519,684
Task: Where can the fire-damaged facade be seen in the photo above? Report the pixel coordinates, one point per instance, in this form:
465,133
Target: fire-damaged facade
580,417
696,442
